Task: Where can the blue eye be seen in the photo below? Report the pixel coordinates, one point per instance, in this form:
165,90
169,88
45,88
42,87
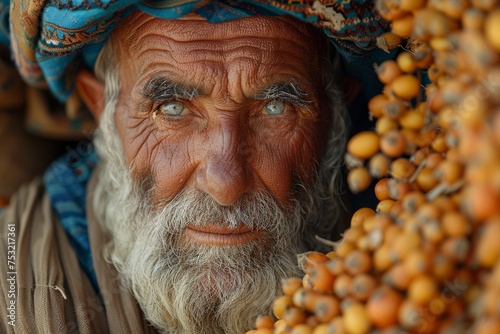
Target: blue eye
274,108
174,108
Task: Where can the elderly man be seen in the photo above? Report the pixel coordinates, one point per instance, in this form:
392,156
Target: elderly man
220,146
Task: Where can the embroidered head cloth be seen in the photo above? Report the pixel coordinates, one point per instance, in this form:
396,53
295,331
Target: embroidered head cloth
51,39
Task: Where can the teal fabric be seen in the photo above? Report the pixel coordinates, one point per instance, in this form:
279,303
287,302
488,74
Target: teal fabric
65,182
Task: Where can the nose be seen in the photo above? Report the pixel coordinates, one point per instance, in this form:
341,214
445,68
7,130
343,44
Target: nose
224,172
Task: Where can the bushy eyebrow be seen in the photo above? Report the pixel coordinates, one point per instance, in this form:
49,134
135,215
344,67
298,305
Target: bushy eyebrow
289,92
160,89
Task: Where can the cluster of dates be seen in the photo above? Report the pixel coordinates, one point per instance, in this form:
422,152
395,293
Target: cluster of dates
427,259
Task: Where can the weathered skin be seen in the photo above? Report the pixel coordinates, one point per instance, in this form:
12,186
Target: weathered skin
224,144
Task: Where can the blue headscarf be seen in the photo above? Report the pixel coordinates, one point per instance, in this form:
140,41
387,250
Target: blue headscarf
51,40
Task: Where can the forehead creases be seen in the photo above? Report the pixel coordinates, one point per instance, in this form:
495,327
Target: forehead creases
192,30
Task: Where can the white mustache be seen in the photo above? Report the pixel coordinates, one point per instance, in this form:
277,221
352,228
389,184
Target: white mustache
257,211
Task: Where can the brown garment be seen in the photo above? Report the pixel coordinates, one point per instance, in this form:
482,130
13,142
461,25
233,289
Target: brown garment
52,294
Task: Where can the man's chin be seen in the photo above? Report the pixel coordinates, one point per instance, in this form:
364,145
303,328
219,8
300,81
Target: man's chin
234,257
221,289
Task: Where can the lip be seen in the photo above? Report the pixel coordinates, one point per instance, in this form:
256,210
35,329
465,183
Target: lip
217,235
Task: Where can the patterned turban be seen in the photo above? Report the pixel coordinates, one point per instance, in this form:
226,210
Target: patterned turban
51,39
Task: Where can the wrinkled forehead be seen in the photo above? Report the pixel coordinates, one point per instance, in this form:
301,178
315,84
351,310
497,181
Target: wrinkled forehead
130,33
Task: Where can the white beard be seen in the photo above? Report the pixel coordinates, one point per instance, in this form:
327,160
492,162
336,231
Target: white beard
191,288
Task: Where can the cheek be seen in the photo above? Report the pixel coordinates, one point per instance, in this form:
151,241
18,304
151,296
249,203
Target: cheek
287,156
306,145
156,156
171,168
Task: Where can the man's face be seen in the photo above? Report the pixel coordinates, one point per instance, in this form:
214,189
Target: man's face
221,128
228,109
